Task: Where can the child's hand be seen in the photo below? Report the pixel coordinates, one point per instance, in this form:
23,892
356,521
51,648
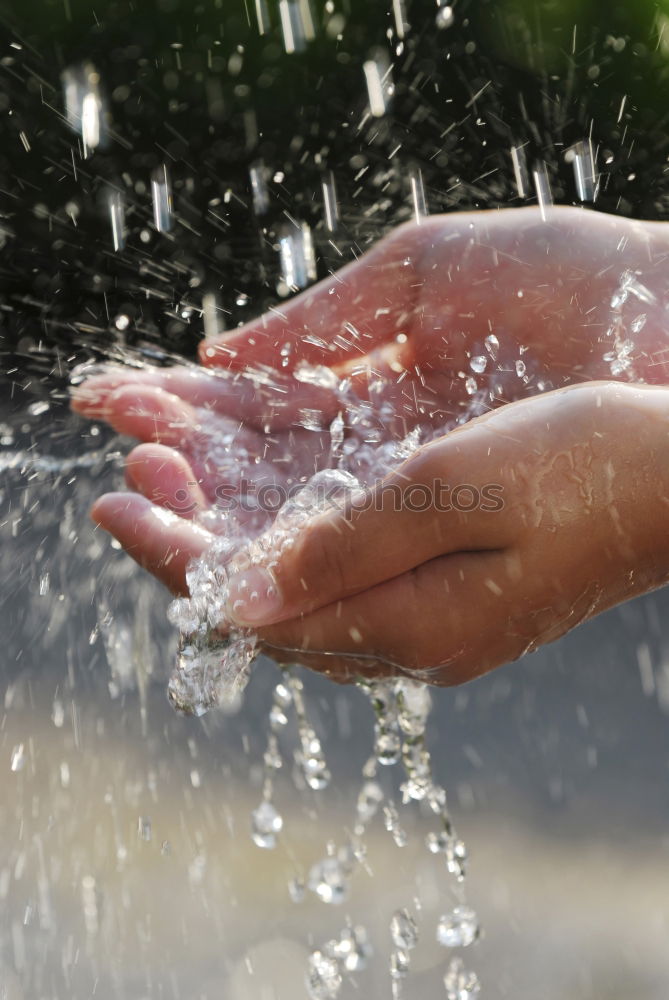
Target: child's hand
568,515
416,310
578,296
559,510
194,457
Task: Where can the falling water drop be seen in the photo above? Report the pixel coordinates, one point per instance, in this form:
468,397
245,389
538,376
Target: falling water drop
353,949
542,187
445,17
403,930
418,195
377,72
266,824
324,978
297,256
460,983
329,879
18,758
459,928
492,346
582,158
330,205
161,193
520,171
116,203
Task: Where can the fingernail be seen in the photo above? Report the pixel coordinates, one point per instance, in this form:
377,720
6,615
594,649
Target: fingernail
253,597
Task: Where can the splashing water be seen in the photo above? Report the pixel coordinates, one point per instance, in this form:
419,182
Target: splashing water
213,667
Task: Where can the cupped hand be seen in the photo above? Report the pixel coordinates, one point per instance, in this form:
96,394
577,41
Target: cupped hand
503,304
196,458
488,542
540,303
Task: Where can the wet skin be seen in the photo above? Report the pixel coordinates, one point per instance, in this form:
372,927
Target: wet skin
448,594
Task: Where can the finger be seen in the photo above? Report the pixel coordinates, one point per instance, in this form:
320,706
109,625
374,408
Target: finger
446,622
224,455
267,399
150,414
410,517
157,539
362,306
165,478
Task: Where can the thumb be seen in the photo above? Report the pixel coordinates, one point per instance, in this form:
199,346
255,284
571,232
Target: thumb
378,536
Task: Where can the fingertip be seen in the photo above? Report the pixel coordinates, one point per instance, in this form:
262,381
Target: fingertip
108,508
149,413
165,477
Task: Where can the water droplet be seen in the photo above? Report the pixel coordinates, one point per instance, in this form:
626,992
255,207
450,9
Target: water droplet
323,978
414,703
297,255
297,890
116,205
445,17
58,714
438,843
392,824
436,799
456,859
266,822
144,828
311,759
459,928
37,409
520,369
400,961
388,747
353,949
492,345
460,983
403,930
161,192
277,717
369,799
478,363
329,880
283,696
18,758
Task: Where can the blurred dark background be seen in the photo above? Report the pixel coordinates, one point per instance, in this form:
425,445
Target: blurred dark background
198,87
